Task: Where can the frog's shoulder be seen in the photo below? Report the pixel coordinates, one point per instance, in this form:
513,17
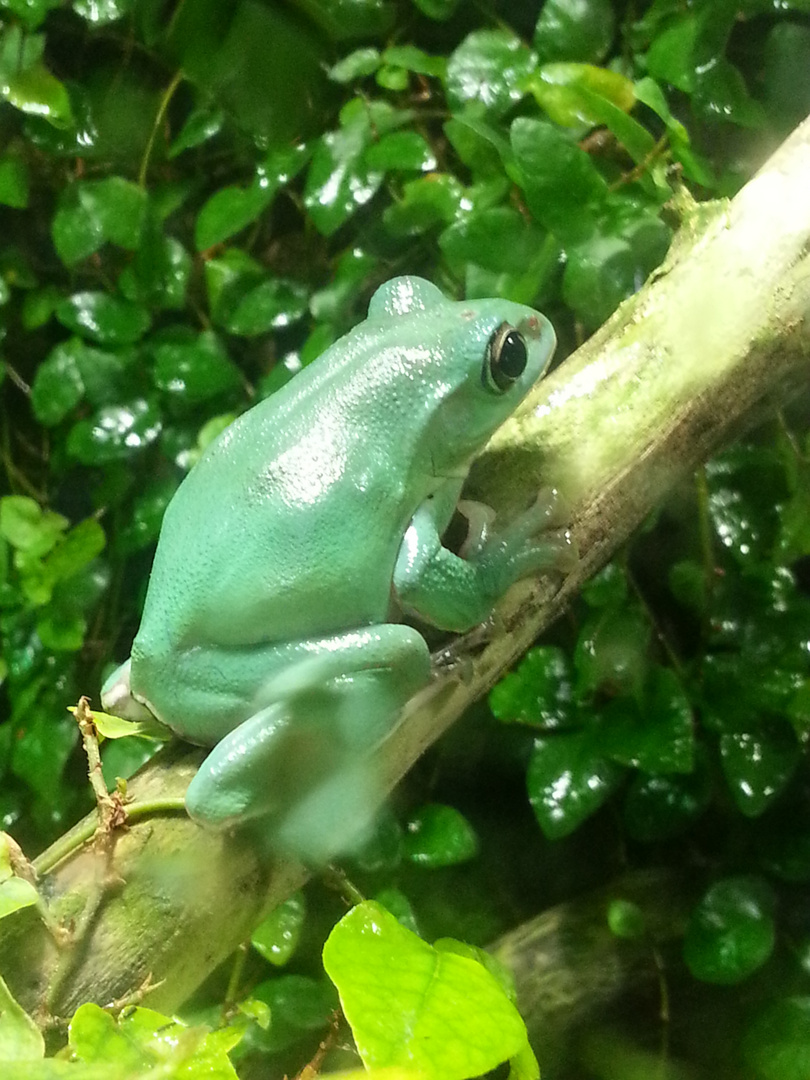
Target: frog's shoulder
401,295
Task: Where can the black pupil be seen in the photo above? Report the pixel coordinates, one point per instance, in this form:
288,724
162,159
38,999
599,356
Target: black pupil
511,358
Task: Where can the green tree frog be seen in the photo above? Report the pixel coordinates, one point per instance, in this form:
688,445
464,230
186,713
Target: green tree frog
267,631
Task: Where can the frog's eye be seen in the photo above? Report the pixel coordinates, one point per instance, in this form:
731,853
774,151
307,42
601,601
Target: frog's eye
505,359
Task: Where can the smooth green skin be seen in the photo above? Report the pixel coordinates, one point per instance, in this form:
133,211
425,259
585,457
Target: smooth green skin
266,631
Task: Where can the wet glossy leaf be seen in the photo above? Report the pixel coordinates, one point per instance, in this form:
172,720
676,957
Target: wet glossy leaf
13,182
660,807
786,70
563,187
670,57
488,68
101,12
38,306
581,95
654,734
574,30
397,993
35,91
276,937
426,202
297,1004
400,150
500,238
395,901
540,692
721,94
731,932
104,318
777,1046
114,433
339,181
438,835
196,369
148,509
568,780
201,125
159,274
758,764
272,304
611,651
42,750
228,211
58,385
745,484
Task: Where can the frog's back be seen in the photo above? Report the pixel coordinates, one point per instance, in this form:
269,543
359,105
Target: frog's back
298,500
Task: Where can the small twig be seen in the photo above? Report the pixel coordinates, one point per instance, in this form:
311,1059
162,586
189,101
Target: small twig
136,997
313,1067
111,812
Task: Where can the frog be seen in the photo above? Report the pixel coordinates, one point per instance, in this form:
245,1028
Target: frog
273,630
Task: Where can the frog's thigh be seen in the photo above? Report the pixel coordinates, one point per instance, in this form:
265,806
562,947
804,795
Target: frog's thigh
336,698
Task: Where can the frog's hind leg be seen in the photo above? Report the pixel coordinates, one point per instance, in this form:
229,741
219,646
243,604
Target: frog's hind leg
301,760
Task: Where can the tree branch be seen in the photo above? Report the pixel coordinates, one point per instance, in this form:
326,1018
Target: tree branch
717,334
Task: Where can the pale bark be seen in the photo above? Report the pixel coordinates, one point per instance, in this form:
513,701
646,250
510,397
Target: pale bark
718,334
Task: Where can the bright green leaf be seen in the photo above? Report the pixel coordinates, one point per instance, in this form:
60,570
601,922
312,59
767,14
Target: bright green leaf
20,1038
107,319
409,1004
276,937
13,182
488,68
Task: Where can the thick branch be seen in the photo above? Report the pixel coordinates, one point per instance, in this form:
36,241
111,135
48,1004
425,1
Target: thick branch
717,333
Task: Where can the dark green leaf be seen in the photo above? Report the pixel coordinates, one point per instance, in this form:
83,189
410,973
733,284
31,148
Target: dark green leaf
426,202
758,764
195,370
58,385
400,150
655,735
660,807
114,433
574,30
31,13
540,692
563,187
272,304
731,931
13,182
101,317
148,509
568,780
777,1046
413,59
489,68
200,126
228,211
437,9
276,937
438,835
611,651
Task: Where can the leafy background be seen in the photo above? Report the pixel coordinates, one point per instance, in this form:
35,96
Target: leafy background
196,199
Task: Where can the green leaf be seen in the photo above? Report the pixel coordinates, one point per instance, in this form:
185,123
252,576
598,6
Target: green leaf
31,13
200,126
270,305
228,211
35,91
276,937
146,517
574,30
107,319
759,764
660,807
28,527
91,213
576,95
102,12
437,835
426,202
568,780
563,187
611,651
731,932
414,59
671,55
777,1046
195,370
61,633
437,9
58,386
114,433
20,1038
655,734
160,272
489,68
499,238
540,692
356,65
408,1004
406,150
13,182
76,549
297,1005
